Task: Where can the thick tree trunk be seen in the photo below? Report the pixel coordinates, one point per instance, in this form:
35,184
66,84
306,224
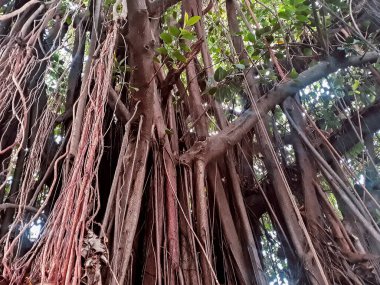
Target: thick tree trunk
114,158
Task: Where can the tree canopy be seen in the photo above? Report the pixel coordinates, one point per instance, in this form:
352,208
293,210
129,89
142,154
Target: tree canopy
189,142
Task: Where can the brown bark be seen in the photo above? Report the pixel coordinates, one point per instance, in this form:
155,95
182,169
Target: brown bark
228,225
217,145
141,55
203,228
307,169
298,234
170,188
196,227
189,262
196,108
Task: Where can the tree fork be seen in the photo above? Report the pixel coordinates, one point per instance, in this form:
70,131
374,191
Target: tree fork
217,145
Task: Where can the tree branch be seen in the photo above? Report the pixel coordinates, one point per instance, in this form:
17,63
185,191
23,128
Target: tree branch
18,11
208,7
174,74
215,146
157,7
5,206
345,138
116,104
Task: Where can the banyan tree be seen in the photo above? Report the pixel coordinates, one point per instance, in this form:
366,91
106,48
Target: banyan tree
189,142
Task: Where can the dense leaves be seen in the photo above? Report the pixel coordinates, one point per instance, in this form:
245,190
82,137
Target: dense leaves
185,142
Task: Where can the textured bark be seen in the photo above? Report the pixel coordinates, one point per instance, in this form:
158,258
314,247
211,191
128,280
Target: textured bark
307,170
274,169
203,227
217,145
114,157
141,53
229,228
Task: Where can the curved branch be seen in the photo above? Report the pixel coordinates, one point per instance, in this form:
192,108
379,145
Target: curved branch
5,206
215,146
345,138
117,105
208,7
18,11
157,7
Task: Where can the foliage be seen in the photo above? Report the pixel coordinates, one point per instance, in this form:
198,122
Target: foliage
142,138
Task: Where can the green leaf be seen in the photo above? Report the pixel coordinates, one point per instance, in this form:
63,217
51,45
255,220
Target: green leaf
308,52
276,27
269,38
169,132
251,37
174,31
55,57
293,73
212,90
355,86
280,55
184,47
162,50
166,37
240,66
186,19
255,57
193,20
257,50
302,18
187,35
302,8
220,74
179,56
263,31
69,20
285,14
357,149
